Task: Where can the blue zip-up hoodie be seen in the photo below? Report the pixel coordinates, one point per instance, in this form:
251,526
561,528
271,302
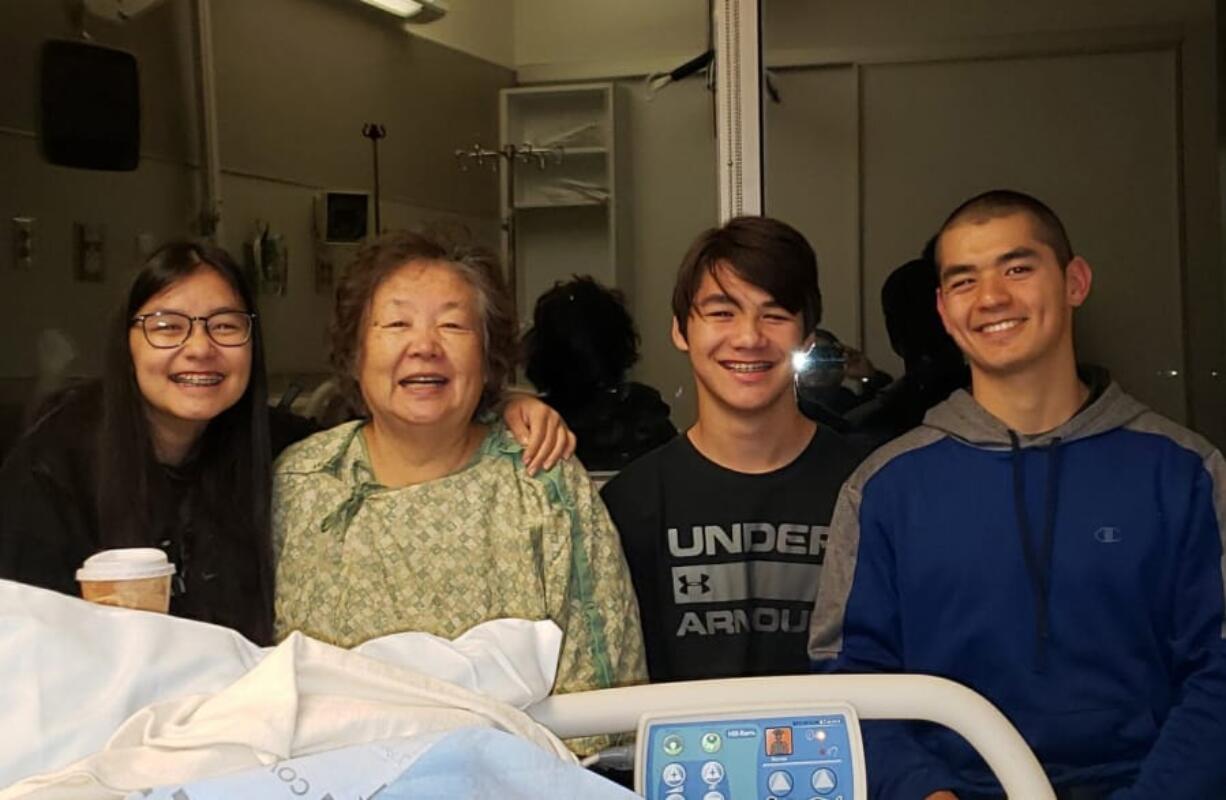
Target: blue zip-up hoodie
1074,578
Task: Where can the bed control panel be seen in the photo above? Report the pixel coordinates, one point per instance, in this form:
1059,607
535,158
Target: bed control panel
763,753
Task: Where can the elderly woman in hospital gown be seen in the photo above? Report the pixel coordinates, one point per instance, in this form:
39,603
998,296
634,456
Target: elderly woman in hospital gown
424,516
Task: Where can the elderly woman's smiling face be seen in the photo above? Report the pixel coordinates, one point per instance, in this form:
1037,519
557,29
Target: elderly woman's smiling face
422,355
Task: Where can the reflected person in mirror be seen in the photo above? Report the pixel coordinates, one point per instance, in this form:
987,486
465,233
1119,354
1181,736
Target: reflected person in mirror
577,353
933,366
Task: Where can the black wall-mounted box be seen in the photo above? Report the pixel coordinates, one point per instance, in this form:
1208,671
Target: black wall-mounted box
90,104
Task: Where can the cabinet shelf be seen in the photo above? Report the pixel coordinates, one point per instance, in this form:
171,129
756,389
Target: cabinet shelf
535,205
565,211
567,152
583,151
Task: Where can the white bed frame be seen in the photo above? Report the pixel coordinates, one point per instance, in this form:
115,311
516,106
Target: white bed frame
904,697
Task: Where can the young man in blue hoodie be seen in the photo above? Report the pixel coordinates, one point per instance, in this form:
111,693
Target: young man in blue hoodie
1044,539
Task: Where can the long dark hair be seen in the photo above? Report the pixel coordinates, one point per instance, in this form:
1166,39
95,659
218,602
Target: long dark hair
232,463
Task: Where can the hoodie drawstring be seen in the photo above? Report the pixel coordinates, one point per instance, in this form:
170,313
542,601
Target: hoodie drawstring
1038,564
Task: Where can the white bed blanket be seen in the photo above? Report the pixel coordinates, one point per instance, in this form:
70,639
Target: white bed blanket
211,703
467,764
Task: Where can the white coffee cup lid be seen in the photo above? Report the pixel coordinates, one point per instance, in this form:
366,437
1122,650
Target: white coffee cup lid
126,564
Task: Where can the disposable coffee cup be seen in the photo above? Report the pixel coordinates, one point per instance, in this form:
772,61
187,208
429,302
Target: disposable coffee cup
130,577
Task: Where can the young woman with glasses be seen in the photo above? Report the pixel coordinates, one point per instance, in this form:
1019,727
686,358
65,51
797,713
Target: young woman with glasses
171,448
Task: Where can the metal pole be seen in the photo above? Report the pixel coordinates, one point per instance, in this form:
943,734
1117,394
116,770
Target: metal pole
508,225
375,132
210,214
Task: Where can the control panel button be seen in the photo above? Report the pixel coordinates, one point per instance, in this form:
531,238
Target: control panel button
779,783
824,780
674,775
788,754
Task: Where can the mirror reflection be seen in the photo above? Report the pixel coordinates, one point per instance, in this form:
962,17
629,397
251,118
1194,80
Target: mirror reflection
1106,112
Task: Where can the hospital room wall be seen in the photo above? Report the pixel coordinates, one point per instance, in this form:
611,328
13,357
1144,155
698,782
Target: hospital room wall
291,125
156,199
671,180
295,82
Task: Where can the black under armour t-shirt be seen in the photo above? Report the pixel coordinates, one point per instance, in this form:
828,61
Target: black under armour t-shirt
726,564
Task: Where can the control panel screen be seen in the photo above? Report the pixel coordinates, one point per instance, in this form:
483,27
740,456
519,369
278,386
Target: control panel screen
773,758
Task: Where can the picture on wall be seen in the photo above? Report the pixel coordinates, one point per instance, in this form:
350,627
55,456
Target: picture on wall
266,259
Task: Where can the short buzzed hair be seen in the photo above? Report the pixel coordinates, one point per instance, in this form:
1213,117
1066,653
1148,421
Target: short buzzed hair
999,203
762,251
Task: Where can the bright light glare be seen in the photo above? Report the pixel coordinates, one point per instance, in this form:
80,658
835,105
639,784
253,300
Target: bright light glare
403,8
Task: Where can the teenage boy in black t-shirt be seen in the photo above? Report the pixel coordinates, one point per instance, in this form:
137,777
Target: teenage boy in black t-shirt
724,528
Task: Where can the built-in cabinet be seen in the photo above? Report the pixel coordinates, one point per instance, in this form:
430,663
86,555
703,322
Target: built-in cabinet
560,205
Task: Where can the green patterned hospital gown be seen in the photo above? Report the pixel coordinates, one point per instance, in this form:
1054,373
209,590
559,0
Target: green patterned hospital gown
357,560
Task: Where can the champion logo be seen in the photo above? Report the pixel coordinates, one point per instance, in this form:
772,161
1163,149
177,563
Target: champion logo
703,584
1108,535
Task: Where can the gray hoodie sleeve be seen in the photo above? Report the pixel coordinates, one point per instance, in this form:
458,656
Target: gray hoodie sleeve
826,622
842,554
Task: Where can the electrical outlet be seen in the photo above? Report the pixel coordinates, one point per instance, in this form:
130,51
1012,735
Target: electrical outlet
23,242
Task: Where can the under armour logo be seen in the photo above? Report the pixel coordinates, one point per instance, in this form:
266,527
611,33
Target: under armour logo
1108,535
703,584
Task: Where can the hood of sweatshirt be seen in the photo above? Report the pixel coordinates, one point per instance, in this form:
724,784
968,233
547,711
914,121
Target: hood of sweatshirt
1108,408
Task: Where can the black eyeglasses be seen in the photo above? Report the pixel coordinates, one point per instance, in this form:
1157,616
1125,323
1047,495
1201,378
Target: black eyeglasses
168,329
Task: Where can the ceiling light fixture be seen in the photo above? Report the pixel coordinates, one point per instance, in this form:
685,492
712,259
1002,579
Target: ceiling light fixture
415,11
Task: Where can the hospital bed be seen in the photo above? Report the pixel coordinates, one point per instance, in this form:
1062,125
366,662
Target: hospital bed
111,700
899,697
